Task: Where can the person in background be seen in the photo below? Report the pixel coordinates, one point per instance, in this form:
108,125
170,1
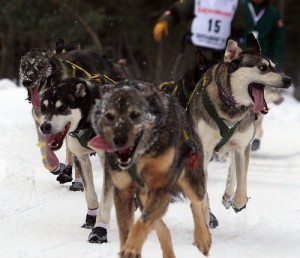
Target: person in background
264,21
209,24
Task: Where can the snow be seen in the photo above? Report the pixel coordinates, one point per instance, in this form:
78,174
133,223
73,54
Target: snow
40,218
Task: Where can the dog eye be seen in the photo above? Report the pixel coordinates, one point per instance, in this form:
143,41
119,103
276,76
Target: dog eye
62,108
263,68
43,108
134,115
109,117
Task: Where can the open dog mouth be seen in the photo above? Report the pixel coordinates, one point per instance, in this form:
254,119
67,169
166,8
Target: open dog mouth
55,141
125,156
256,92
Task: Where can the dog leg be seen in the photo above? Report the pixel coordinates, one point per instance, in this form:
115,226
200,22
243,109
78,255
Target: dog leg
210,218
230,184
162,232
193,185
84,167
152,212
240,198
258,133
124,204
66,175
99,232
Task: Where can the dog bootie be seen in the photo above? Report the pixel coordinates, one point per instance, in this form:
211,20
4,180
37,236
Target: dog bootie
65,176
60,168
255,145
76,186
226,201
98,235
213,222
90,221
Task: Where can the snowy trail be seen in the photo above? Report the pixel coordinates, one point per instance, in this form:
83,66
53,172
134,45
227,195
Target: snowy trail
40,218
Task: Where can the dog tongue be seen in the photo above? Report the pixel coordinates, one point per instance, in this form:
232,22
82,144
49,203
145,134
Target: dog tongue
259,103
35,97
98,143
51,157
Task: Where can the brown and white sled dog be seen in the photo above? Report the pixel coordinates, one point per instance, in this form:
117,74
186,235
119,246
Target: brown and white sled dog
150,150
65,111
223,107
40,70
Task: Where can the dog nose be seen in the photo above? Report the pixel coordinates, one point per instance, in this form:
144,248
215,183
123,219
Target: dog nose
287,81
27,83
120,141
45,128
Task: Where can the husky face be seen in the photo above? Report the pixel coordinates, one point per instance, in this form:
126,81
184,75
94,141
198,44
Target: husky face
124,120
63,107
250,73
35,67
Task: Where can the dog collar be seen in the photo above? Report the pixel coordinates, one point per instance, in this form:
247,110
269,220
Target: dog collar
83,136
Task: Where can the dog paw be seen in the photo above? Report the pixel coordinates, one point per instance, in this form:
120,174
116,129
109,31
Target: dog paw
65,176
204,244
226,201
130,253
98,235
76,186
238,208
255,145
62,179
90,221
60,168
213,221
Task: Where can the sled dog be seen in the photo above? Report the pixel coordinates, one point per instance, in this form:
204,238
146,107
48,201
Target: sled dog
40,70
65,114
223,107
150,150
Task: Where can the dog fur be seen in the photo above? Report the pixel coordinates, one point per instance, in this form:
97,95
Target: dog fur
235,90
147,156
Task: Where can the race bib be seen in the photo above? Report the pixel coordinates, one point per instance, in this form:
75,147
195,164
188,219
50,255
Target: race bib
211,26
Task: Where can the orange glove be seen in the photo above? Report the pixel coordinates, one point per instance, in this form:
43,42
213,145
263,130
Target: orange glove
160,29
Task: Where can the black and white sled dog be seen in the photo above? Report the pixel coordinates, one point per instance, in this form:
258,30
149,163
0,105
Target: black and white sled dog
40,70
223,107
65,113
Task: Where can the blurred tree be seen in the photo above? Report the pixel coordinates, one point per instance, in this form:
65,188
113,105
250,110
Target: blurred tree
118,29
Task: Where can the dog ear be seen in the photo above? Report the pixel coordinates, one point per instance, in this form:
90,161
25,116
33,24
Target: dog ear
103,89
232,51
252,43
80,89
156,103
49,54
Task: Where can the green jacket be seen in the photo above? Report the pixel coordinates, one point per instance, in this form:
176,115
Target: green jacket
183,11
270,31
